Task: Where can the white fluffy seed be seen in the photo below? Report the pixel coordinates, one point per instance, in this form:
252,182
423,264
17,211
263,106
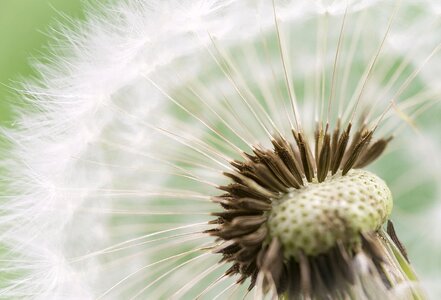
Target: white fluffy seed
315,217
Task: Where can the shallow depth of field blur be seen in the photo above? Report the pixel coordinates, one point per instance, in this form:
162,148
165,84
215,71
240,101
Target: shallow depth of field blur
24,27
23,35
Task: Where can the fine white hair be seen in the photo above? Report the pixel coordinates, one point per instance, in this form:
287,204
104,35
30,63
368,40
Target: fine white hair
107,173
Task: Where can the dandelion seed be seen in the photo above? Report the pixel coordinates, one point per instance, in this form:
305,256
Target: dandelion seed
218,149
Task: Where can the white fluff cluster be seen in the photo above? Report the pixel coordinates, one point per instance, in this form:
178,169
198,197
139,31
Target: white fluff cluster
108,172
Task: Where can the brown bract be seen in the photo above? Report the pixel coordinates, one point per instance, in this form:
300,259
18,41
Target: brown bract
268,174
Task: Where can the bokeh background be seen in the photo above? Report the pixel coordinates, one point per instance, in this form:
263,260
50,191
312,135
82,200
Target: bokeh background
24,35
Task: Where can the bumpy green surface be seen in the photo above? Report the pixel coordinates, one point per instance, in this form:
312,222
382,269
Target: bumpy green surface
313,218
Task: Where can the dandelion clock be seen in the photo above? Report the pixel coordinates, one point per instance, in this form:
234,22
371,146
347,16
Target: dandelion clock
268,149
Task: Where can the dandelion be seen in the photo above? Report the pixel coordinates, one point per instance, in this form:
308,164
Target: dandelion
218,149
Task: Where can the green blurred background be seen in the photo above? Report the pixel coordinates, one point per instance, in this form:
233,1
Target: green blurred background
23,35
24,25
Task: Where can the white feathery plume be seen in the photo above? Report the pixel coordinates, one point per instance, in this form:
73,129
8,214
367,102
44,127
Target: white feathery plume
109,171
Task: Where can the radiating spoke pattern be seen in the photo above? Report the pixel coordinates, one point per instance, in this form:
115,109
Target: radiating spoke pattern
161,134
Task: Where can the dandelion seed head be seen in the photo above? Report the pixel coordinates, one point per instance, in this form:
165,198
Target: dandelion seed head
149,109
